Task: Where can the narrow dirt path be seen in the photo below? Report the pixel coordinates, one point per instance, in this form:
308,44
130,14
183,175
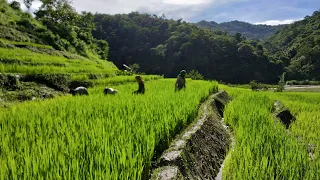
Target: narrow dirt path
199,151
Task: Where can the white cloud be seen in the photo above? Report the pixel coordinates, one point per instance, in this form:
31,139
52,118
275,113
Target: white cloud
35,5
175,9
278,22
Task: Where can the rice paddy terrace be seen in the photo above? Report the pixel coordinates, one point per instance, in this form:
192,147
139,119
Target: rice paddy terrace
118,137
201,132
123,136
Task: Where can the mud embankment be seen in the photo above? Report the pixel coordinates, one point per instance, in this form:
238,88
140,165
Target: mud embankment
199,151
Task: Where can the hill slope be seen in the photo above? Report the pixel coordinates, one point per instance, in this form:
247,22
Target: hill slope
39,60
162,46
248,30
55,24
297,47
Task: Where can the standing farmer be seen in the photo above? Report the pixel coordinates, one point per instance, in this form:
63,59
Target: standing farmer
181,81
141,86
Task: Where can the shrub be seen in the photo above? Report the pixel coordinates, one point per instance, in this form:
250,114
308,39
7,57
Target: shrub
9,82
56,81
195,75
254,85
15,5
94,76
281,83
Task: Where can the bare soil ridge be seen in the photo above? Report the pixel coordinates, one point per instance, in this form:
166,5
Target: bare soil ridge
199,151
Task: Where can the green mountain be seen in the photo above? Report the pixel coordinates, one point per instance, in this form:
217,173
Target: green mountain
297,48
162,46
248,30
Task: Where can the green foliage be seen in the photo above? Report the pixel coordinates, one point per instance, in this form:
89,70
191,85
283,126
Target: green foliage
305,82
297,46
264,149
9,82
162,46
57,24
135,67
27,91
248,30
97,136
28,62
281,83
56,81
255,86
195,75
15,5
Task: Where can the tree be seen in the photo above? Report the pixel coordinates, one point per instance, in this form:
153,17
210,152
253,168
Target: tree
239,37
195,75
135,67
15,5
28,3
281,83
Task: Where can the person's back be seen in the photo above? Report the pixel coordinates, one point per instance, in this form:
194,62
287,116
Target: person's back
141,89
181,81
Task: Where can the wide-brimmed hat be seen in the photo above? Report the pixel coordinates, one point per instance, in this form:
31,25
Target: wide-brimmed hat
183,72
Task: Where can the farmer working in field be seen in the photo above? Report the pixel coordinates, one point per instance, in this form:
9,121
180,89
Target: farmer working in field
181,81
141,86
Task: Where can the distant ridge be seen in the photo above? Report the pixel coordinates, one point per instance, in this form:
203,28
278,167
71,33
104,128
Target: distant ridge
250,31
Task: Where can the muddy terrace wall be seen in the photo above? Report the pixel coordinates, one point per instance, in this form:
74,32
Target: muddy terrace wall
199,151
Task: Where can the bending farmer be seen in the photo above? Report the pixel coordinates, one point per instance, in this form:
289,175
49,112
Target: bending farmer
141,86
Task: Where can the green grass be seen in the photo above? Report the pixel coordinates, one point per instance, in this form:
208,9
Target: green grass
123,79
96,136
264,149
8,42
27,62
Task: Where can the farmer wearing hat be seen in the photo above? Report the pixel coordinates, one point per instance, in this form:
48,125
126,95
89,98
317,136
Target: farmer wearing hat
181,81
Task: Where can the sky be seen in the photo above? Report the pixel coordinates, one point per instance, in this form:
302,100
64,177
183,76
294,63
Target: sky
270,12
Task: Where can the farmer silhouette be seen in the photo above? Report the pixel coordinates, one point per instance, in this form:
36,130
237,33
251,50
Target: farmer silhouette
141,89
181,81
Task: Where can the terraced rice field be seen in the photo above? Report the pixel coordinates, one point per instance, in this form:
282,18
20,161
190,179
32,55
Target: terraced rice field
264,148
97,136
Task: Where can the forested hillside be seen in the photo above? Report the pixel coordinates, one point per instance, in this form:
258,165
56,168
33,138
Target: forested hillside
162,46
248,30
297,47
45,54
56,24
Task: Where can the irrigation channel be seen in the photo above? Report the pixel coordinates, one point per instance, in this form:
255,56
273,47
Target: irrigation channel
199,151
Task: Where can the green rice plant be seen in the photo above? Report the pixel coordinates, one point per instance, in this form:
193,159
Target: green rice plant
25,61
97,136
264,149
5,41
123,79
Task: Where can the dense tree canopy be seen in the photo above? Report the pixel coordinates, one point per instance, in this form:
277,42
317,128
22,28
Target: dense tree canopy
162,46
297,48
56,23
250,31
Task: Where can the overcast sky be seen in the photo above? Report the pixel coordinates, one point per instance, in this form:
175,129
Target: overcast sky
269,12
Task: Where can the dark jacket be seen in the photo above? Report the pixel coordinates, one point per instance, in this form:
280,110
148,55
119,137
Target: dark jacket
180,83
141,89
